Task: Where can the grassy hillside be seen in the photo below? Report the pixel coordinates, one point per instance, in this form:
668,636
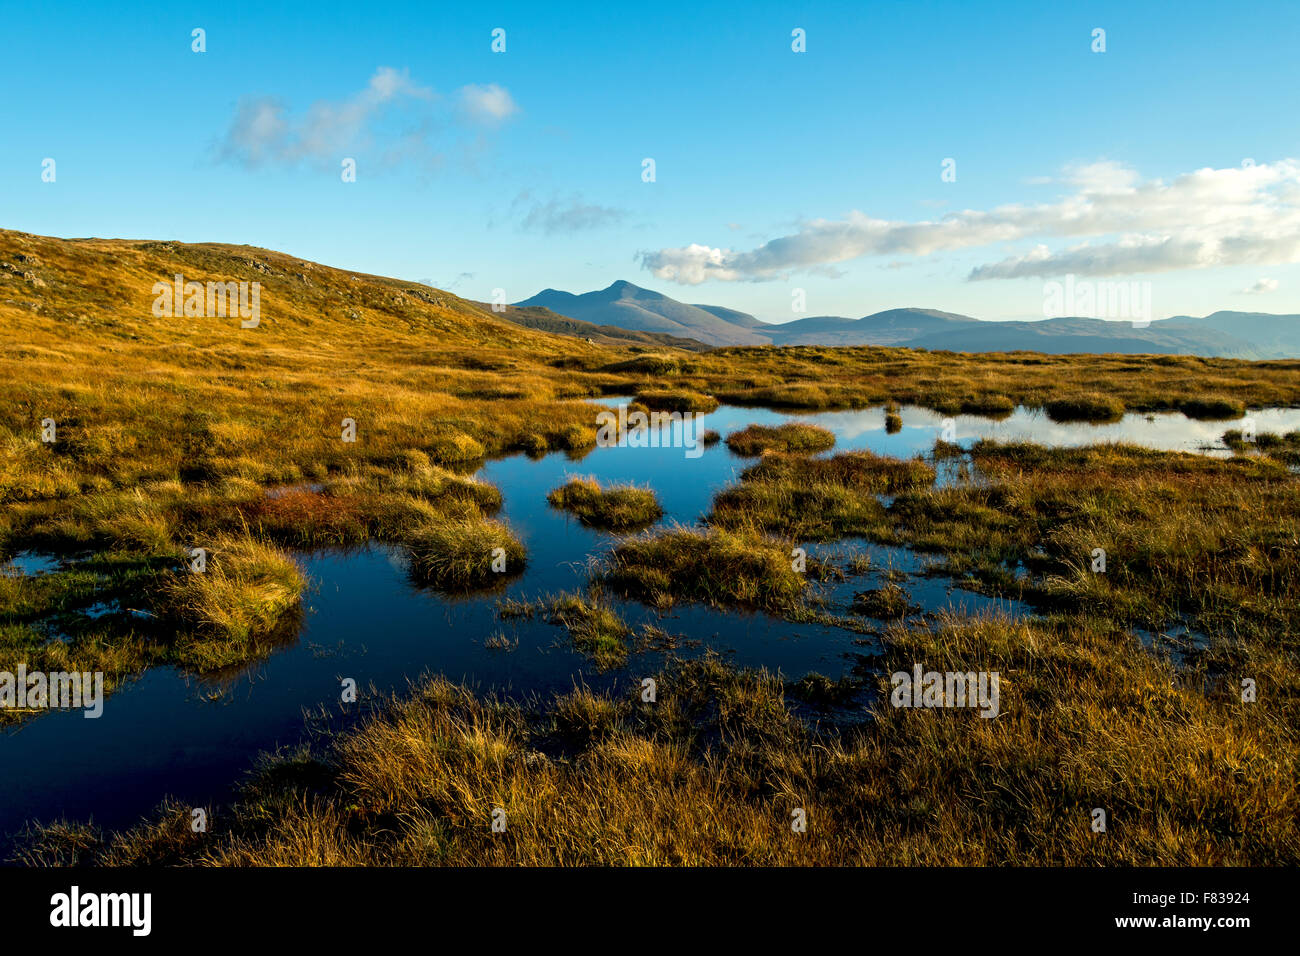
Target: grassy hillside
407,362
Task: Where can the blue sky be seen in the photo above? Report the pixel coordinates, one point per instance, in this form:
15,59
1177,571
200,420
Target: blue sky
775,170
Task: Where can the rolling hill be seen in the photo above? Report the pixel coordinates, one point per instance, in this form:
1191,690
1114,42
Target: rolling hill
86,289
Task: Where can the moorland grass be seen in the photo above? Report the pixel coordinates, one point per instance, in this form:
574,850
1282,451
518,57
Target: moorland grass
820,511
239,600
862,470
991,384
78,618
1212,408
889,601
182,425
1188,772
618,507
990,405
816,499
1284,448
676,400
718,566
711,773
1085,408
595,629
1186,537
464,553
792,437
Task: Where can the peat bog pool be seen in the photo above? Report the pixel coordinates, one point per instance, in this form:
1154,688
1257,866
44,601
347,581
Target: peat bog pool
167,733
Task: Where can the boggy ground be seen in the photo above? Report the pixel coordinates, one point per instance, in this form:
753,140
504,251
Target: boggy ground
180,433
1187,769
713,770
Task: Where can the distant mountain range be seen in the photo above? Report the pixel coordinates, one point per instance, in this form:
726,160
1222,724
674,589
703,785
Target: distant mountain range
1247,335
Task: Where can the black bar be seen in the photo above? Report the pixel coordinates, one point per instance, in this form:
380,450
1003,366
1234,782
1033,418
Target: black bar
347,907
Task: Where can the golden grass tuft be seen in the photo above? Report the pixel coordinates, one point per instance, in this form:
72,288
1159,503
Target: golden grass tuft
462,553
241,598
792,437
718,566
676,400
617,507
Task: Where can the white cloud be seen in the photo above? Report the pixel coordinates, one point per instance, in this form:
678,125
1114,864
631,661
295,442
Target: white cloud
258,132
691,265
490,103
566,215
1261,287
329,127
263,130
1209,217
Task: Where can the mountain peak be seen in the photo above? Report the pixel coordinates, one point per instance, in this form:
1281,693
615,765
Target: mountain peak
629,290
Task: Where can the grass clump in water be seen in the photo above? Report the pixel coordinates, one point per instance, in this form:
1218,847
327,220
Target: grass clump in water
617,508
717,566
817,499
676,400
884,603
1085,408
466,552
452,446
595,629
1212,408
792,437
862,471
650,364
242,597
1187,537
